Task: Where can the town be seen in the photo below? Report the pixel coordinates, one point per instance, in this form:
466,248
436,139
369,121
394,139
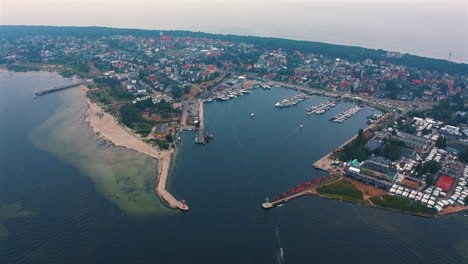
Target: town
416,151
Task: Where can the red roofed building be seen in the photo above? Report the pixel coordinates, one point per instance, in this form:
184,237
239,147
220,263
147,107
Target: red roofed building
344,83
165,38
450,86
445,183
211,68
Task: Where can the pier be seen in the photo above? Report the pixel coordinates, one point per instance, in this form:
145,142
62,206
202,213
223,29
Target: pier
58,88
292,100
321,108
163,166
269,205
346,114
201,127
305,191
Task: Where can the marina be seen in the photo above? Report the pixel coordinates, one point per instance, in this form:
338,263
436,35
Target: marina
229,94
321,108
346,114
294,100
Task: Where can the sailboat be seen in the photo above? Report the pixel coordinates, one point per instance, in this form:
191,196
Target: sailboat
252,114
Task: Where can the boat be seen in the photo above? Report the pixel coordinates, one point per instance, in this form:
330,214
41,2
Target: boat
252,114
301,126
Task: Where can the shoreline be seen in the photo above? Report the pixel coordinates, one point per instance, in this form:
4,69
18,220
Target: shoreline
325,162
106,127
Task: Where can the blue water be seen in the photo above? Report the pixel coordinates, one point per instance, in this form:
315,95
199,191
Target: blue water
224,183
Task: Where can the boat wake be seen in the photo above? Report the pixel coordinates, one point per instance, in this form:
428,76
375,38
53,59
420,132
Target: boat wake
280,253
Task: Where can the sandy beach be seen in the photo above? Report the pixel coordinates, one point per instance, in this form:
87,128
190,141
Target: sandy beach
106,127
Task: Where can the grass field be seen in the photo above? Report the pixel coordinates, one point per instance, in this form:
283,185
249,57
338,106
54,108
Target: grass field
344,190
402,204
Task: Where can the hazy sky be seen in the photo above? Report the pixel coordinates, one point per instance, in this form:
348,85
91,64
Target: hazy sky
430,28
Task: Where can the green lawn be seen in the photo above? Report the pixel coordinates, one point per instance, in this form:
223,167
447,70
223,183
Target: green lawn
343,190
402,204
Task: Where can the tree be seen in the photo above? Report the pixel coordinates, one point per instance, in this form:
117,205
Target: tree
177,92
441,143
187,89
391,151
430,180
169,138
129,115
426,131
463,156
432,167
392,87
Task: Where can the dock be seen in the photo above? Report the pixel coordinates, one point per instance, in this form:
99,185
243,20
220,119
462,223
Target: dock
58,88
201,128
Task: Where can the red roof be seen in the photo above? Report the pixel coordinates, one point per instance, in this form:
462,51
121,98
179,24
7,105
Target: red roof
445,183
165,38
344,83
186,66
450,86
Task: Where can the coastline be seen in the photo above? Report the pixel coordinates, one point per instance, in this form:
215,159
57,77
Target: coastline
106,127
325,162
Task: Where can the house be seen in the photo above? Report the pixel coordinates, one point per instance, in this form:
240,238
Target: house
211,68
162,130
177,105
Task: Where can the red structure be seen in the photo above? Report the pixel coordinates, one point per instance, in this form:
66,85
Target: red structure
445,183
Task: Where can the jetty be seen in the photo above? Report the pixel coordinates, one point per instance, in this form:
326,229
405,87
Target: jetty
268,205
202,137
302,190
58,88
163,166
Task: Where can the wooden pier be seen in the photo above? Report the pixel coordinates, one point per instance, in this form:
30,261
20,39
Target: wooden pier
58,88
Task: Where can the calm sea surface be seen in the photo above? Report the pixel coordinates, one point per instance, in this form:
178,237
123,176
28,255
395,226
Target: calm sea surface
67,197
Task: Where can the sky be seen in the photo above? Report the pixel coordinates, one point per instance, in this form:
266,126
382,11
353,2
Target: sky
431,28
